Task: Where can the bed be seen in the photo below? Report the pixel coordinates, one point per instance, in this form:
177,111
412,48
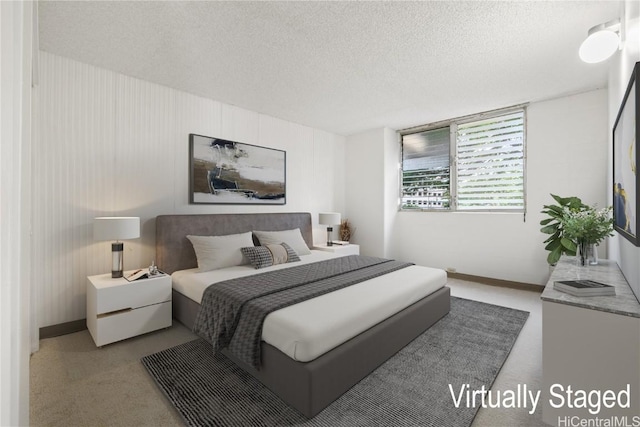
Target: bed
307,385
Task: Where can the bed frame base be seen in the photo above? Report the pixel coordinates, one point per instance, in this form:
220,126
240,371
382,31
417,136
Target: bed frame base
312,386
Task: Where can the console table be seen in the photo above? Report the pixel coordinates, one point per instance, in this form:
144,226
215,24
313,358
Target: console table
589,343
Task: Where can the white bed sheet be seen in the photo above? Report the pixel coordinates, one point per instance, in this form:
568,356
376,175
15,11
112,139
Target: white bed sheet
307,330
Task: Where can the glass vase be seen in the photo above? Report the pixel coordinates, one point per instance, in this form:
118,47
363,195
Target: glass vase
587,253
592,254
582,253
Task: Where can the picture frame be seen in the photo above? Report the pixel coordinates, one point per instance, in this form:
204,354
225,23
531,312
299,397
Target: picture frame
231,173
626,204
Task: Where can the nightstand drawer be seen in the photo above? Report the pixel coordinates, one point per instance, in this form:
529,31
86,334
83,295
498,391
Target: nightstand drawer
118,309
126,324
133,295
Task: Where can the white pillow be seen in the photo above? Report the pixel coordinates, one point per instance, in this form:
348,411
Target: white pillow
292,238
214,252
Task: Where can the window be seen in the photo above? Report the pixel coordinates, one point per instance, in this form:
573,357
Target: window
471,164
426,169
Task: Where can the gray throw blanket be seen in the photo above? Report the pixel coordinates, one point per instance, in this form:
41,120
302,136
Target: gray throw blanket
232,312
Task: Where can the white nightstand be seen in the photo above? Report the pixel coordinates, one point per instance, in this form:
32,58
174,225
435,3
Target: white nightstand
118,309
349,249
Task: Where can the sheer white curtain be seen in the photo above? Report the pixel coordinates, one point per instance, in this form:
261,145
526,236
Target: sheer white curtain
16,38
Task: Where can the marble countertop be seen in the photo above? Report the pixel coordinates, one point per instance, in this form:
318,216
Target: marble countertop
608,272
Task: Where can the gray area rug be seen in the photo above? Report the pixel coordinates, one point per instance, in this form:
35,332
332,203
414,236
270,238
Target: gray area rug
467,346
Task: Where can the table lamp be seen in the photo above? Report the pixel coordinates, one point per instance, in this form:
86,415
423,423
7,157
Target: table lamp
329,219
116,228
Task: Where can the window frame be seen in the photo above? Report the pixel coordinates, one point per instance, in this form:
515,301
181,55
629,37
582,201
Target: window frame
452,124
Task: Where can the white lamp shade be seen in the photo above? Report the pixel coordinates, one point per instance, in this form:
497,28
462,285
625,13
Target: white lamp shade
116,228
329,218
598,46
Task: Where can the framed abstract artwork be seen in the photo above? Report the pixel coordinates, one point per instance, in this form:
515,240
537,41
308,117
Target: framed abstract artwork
229,172
625,163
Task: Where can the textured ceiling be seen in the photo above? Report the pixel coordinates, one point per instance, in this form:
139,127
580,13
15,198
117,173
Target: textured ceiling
343,67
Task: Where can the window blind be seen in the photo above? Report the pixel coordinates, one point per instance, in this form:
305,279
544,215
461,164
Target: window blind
490,163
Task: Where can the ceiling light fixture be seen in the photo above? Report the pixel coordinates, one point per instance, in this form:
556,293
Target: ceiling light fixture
601,42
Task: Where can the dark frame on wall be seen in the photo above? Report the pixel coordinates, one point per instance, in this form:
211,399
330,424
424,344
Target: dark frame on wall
231,173
625,162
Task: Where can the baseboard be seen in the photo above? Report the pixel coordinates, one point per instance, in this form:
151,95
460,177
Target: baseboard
497,282
63,329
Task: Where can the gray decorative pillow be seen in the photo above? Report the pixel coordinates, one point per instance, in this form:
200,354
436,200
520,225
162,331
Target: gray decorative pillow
268,255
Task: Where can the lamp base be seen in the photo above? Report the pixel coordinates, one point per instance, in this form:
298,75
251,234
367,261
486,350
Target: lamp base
117,249
329,231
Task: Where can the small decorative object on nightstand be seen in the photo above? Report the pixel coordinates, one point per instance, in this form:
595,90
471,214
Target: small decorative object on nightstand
153,268
349,249
118,309
346,230
330,219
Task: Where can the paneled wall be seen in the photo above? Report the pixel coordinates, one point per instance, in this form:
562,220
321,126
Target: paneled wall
16,32
108,144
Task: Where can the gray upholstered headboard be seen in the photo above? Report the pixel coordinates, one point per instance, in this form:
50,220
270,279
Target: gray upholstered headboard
175,252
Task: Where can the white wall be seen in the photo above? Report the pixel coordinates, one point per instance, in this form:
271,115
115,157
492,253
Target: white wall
372,192
109,144
566,145
392,164
365,190
16,19
625,253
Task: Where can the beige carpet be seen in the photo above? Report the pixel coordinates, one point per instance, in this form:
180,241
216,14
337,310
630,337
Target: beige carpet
73,383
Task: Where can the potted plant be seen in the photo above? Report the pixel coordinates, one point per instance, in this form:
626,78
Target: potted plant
346,230
573,226
588,227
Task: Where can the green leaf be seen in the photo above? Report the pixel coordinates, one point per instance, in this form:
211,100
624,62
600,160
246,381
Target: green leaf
546,221
549,229
568,244
571,202
552,245
555,236
576,203
554,255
